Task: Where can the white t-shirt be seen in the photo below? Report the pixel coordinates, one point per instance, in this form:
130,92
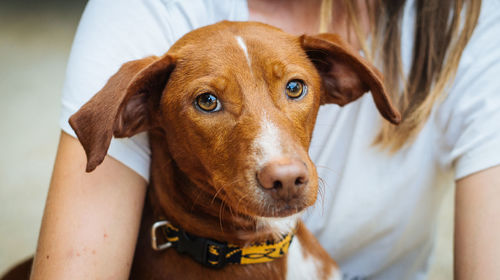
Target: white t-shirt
377,216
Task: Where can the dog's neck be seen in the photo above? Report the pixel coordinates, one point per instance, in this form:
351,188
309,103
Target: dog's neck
200,212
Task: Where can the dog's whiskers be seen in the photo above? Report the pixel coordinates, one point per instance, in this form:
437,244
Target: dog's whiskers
220,215
321,193
239,201
216,193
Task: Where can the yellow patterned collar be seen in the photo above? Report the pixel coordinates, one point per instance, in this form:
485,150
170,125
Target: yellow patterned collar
213,253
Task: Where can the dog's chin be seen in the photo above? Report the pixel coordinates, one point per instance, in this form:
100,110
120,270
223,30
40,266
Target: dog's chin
282,211
273,210
280,208
276,209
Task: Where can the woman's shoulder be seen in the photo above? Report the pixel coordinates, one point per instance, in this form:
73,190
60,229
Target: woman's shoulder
469,116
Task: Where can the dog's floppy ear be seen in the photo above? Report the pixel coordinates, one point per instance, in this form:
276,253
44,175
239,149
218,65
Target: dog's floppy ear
346,75
123,107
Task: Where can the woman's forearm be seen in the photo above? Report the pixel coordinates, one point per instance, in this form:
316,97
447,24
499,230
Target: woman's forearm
91,220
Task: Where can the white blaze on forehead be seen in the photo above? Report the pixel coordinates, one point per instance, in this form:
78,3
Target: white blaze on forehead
243,46
267,144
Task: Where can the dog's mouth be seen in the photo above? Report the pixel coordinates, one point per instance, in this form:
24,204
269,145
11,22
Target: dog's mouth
284,210
258,201
281,201
283,206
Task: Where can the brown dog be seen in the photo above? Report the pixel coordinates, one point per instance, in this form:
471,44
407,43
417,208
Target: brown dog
230,111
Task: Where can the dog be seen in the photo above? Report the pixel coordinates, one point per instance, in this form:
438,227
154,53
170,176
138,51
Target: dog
230,110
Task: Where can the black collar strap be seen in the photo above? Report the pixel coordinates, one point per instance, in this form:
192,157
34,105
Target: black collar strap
216,254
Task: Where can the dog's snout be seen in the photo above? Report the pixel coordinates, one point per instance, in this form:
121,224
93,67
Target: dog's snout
283,175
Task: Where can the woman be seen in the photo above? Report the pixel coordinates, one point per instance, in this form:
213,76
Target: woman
383,185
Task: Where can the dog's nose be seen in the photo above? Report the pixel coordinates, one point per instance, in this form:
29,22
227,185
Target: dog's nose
283,174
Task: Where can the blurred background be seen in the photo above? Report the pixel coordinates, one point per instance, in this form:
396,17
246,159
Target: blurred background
35,41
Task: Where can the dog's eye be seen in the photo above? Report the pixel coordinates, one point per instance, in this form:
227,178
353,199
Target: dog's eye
295,89
208,102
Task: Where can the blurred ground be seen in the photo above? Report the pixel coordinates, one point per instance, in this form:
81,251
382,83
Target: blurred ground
35,40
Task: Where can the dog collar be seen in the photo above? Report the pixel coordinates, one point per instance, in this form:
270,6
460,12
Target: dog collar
213,253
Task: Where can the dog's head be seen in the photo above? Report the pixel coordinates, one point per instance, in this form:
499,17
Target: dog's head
237,103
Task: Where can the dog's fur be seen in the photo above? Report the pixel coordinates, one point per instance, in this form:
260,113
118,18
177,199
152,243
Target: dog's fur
205,166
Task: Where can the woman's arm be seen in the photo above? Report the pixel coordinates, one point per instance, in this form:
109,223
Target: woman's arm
477,226
91,220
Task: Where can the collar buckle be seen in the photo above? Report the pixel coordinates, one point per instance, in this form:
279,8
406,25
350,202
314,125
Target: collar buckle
154,239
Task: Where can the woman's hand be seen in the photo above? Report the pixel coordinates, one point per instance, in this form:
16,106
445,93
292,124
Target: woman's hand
91,220
477,226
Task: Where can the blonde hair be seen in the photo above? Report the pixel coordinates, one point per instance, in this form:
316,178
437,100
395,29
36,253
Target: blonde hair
442,30
325,17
